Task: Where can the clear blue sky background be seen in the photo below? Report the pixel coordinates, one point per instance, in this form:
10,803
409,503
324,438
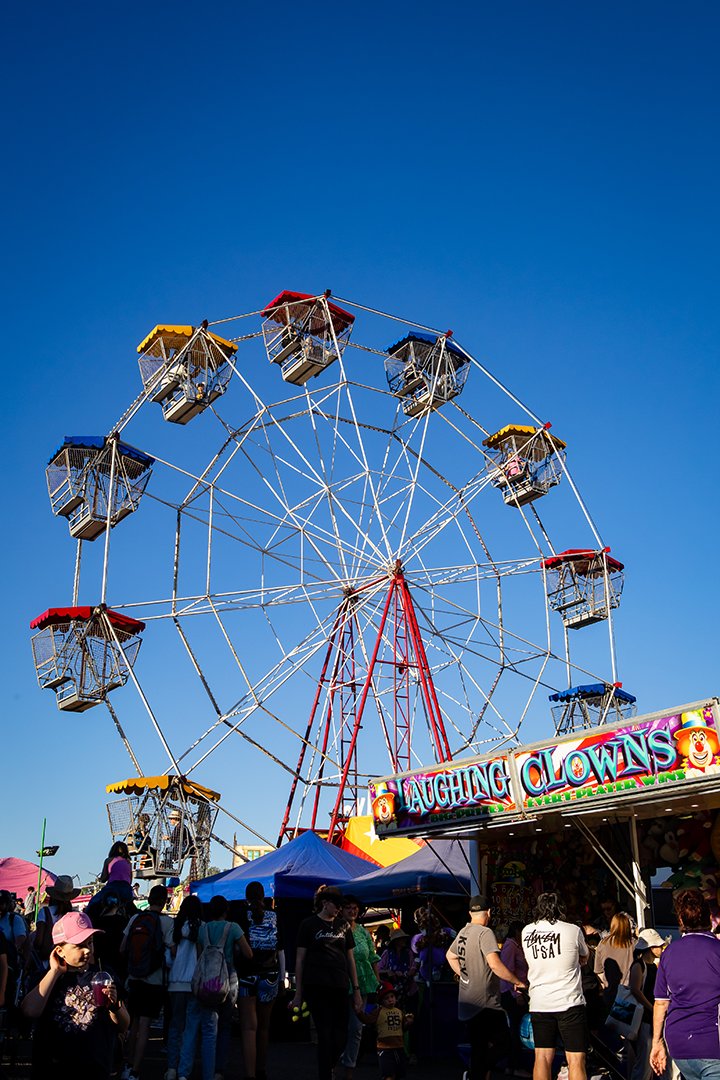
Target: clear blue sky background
542,177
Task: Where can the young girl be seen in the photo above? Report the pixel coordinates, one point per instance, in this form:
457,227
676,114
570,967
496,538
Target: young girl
76,1030
184,949
259,979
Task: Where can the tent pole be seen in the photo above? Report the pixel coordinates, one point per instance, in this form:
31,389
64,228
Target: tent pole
641,904
42,849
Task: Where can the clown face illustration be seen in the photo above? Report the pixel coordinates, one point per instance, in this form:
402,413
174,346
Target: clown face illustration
383,808
700,751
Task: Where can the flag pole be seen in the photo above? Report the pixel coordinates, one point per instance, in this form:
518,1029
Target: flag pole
42,851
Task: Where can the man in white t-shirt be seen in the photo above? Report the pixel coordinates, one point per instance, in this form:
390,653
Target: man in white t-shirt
555,952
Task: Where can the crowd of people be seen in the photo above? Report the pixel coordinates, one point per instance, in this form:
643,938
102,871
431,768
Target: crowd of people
653,1006
92,983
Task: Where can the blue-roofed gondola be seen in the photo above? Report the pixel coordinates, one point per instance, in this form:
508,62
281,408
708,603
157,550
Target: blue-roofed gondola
591,705
304,334
425,371
91,476
83,653
524,462
583,586
185,369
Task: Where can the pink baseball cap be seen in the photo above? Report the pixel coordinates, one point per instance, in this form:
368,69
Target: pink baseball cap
73,929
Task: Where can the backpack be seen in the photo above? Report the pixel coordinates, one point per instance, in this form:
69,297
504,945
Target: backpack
211,981
145,945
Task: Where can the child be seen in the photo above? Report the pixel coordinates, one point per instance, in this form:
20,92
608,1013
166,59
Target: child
390,1022
76,1028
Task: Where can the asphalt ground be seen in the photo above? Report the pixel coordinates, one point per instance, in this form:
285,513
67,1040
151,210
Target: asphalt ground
286,1061
295,1059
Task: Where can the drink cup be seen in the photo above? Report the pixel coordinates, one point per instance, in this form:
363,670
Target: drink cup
101,980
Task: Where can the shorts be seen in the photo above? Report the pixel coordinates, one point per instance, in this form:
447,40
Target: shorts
570,1025
145,999
263,987
391,1063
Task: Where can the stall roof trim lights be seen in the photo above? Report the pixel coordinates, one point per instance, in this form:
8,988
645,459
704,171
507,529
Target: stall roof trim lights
634,758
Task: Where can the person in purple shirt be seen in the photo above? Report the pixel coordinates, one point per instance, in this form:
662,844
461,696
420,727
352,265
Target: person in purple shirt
687,995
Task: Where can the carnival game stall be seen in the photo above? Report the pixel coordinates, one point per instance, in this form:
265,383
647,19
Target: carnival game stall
593,812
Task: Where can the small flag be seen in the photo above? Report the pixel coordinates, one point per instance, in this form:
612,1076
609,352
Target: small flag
45,852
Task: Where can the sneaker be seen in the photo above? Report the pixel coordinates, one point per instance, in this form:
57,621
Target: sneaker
171,1074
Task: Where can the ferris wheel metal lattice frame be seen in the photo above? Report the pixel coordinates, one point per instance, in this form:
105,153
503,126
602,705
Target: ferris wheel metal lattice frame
344,506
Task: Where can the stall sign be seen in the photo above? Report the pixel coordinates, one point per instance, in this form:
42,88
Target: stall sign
665,750
670,749
468,790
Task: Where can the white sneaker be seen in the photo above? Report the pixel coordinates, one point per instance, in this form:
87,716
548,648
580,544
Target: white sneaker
564,1073
171,1074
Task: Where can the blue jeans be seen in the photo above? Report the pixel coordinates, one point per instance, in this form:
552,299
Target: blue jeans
349,1056
178,1012
699,1068
199,1019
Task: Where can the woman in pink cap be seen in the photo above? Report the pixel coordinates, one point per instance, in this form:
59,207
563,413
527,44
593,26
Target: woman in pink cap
75,1028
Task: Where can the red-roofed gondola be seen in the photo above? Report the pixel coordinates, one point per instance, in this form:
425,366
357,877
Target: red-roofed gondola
425,371
83,653
583,586
91,476
304,334
185,369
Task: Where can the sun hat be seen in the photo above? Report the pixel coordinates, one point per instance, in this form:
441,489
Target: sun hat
73,929
399,935
649,939
63,888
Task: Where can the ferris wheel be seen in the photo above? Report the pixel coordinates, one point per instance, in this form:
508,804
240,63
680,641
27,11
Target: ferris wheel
344,569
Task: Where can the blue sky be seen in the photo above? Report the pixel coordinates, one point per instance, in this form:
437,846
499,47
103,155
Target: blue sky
540,177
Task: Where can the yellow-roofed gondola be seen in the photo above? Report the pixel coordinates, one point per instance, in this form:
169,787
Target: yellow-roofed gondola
164,820
185,369
524,462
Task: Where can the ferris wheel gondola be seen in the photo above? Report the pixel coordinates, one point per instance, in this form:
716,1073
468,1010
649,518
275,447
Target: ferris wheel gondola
338,609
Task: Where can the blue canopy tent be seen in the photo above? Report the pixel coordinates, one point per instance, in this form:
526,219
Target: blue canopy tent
441,868
294,870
